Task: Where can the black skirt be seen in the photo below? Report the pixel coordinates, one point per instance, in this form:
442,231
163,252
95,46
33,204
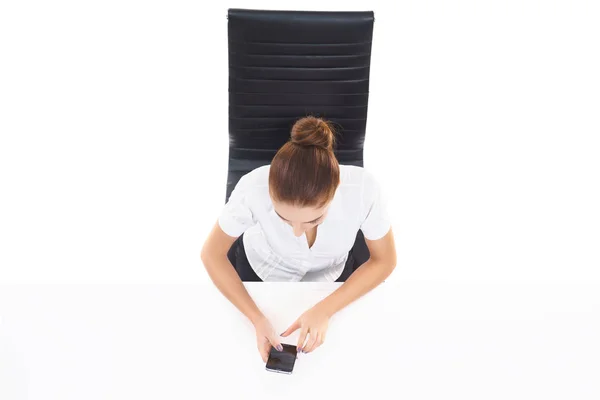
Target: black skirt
357,256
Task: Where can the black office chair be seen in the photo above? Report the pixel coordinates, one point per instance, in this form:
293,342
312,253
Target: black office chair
284,65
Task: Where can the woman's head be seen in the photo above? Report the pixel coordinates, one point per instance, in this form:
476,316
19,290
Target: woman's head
305,174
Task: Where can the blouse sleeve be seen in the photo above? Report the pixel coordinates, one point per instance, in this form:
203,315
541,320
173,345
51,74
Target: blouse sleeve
375,219
236,216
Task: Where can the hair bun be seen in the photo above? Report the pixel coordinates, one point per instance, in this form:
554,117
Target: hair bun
313,131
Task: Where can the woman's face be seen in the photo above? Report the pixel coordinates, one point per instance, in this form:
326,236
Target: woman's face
301,219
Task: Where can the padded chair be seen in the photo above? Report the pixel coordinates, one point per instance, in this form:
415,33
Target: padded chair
284,65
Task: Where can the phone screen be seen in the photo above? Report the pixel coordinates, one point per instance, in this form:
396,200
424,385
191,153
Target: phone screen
282,361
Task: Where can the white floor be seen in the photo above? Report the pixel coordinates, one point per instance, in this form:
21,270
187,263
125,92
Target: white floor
411,340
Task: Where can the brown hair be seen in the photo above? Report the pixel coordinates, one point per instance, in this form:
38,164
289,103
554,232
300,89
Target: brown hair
305,171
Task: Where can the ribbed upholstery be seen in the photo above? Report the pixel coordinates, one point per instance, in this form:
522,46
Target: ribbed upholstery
284,65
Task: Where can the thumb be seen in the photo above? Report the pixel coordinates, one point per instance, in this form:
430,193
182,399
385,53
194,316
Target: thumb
275,342
294,327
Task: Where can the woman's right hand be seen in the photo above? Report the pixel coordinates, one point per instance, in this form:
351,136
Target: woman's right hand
266,337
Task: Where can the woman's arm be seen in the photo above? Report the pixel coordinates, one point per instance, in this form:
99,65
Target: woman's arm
226,279
369,275
315,321
224,275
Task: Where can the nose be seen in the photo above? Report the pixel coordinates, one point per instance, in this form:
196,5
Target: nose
298,230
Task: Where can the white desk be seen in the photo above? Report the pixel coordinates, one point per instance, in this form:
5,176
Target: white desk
407,340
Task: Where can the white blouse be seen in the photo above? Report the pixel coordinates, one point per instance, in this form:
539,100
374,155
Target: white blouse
276,254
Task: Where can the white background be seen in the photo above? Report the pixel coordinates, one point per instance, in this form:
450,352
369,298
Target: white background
483,127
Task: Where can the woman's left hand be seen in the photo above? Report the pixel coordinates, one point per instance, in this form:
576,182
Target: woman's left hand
312,323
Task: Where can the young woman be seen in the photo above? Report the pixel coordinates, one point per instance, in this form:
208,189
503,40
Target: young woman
297,220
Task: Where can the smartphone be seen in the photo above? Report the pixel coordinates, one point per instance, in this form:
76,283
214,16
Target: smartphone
282,361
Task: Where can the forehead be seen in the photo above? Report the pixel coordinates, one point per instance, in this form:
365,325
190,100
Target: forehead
298,214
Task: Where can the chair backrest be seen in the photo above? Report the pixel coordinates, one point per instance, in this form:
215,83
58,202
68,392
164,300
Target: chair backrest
284,65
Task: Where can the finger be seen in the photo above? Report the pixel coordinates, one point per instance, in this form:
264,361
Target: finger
264,349
302,339
312,342
275,342
320,340
291,329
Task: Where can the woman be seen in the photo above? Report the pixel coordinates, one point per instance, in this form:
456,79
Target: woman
296,220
